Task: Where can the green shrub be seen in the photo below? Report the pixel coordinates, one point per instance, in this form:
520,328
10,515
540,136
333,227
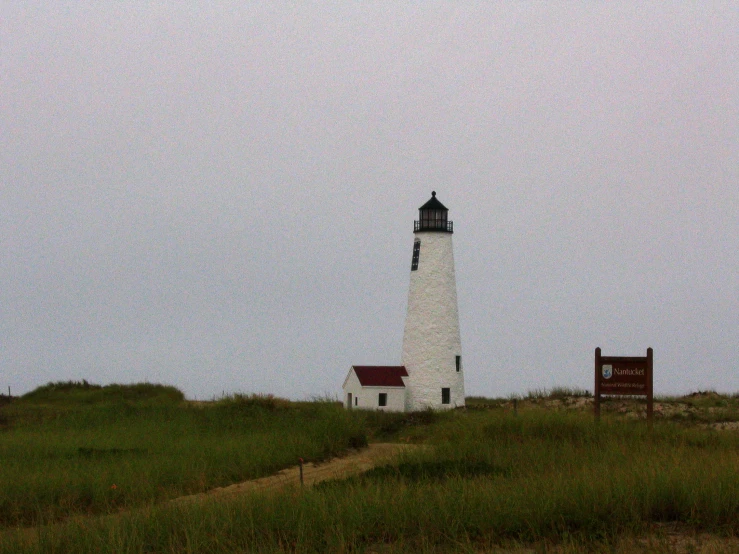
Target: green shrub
77,392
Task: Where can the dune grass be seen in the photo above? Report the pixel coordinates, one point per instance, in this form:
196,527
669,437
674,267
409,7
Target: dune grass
489,477
75,448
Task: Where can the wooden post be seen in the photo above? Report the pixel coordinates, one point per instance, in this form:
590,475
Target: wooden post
301,471
650,385
596,389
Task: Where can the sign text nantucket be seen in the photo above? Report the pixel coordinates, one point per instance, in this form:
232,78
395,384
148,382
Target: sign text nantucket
622,375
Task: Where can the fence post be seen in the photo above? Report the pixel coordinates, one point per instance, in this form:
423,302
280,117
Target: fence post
650,386
596,389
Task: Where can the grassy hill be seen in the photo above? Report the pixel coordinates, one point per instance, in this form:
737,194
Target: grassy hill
535,472
77,448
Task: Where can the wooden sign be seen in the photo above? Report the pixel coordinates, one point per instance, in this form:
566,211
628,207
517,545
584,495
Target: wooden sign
623,375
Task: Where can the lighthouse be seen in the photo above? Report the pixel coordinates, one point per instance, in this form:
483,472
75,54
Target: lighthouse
432,373
432,346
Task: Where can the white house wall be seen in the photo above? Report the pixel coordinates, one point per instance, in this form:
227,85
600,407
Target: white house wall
431,340
368,397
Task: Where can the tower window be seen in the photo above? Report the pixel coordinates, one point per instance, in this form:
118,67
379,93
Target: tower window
416,254
459,363
433,219
382,400
446,396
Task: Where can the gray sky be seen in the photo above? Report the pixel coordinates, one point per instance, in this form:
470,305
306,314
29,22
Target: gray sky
221,197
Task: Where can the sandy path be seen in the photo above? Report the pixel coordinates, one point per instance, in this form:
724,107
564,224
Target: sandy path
357,461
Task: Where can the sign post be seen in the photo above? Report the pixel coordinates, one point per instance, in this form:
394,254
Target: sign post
624,376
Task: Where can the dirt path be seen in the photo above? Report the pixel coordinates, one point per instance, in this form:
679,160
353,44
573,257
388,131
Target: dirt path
663,538
357,461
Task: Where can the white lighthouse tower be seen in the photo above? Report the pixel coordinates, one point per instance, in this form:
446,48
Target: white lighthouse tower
432,347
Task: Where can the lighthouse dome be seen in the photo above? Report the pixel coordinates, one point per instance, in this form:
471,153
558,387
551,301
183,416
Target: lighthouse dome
433,216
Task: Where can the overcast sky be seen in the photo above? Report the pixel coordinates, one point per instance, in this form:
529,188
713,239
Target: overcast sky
221,197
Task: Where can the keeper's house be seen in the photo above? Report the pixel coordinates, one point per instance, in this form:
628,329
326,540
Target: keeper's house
375,388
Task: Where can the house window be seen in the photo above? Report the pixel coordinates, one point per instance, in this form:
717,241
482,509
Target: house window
356,400
416,254
446,396
382,400
349,400
459,363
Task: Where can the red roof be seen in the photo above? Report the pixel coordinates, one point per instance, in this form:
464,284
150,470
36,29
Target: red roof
380,375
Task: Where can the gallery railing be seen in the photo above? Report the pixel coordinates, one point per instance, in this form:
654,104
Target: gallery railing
433,225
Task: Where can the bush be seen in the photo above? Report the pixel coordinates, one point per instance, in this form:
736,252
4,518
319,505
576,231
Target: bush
82,392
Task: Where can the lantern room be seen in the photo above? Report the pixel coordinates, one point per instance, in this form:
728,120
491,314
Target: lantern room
433,216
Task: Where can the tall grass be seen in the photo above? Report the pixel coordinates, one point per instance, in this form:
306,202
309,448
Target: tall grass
490,477
558,392
91,450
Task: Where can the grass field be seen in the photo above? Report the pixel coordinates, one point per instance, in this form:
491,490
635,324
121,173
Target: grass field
542,476
71,449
